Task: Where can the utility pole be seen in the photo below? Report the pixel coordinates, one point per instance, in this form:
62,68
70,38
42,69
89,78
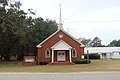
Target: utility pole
87,56
87,53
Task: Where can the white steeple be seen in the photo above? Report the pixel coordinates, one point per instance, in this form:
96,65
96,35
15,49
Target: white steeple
60,24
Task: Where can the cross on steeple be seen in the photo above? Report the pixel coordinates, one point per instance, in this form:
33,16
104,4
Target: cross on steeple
60,24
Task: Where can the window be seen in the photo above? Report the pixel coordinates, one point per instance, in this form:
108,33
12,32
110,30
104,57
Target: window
74,53
47,53
59,53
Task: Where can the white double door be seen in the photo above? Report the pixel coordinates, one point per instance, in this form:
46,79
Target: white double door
60,55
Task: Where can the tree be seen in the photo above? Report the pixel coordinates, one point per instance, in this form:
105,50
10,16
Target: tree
11,21
85,41
96,42
114,43
36,31
19,33
41,30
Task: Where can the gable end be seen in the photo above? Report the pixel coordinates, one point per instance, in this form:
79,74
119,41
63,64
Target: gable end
39,45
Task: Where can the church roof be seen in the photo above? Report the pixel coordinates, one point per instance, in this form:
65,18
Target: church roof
39,45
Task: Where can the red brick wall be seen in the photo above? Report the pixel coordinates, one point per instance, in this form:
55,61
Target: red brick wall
53,40
67,55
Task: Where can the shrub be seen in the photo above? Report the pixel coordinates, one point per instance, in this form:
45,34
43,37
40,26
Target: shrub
93,56
43,63
82,61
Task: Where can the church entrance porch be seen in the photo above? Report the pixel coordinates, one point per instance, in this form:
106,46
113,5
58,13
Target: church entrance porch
61,52
61,57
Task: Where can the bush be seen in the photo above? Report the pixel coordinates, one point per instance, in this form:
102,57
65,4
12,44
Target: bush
93,56
43,63
82,61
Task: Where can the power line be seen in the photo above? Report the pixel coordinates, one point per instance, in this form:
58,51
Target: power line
92,21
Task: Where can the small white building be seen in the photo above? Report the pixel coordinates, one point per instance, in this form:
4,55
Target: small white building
105,52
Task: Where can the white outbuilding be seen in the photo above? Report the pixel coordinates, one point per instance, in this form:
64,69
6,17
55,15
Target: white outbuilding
105,52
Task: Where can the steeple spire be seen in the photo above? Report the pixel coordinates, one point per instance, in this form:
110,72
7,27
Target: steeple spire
60,24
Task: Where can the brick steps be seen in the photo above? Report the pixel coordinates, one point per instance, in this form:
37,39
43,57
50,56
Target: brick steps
62,63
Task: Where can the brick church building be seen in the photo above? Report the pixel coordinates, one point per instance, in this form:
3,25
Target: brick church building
60,48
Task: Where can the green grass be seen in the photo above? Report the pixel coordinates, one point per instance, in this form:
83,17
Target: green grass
96,65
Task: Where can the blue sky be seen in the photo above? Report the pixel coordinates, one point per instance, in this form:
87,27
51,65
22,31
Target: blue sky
82,18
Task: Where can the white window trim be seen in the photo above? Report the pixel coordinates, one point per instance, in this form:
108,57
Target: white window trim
46,53
75,53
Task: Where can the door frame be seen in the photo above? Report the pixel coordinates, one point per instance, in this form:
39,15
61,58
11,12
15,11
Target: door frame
60,55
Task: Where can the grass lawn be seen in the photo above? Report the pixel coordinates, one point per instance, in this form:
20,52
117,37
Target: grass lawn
96,65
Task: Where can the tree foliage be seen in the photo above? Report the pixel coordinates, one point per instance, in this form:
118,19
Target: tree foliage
96,42
114,43
85,41
19,33
11,21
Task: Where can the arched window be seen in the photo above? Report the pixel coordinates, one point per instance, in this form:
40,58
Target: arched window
47,53
74,53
